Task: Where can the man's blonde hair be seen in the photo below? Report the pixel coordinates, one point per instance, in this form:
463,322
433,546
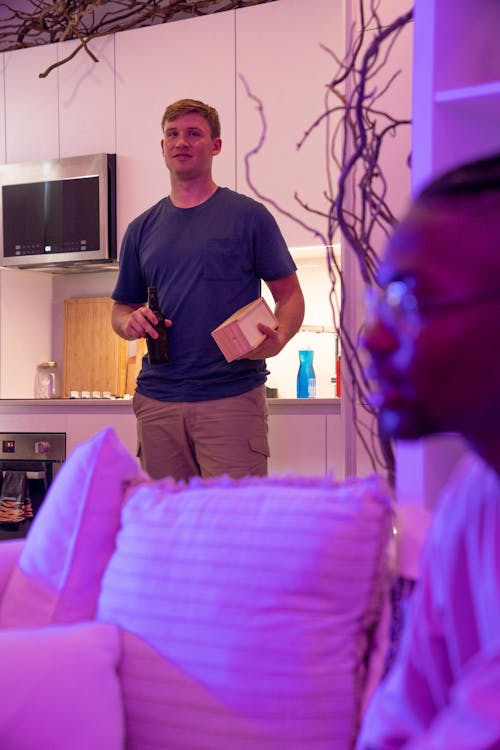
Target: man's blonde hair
188,106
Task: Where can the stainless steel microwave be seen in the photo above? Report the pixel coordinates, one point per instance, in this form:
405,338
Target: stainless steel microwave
59,212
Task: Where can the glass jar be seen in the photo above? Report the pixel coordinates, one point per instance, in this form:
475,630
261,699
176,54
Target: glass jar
46,380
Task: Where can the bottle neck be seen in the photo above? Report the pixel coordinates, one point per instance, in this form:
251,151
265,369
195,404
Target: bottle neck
153,298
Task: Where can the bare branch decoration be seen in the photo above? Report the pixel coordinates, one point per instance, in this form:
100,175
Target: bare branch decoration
356,129
46,22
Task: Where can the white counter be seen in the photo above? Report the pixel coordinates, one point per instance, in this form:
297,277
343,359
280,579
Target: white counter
305,435
8,405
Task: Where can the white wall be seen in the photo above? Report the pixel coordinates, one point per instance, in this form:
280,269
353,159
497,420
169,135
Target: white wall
280,53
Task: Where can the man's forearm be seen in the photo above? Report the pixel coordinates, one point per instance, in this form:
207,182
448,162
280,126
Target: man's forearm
290,314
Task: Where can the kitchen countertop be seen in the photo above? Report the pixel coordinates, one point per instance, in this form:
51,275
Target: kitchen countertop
61,405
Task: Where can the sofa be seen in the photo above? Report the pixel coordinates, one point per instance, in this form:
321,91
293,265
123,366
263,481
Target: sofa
247,614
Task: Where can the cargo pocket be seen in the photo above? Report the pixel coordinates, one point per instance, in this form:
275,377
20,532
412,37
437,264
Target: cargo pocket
259,454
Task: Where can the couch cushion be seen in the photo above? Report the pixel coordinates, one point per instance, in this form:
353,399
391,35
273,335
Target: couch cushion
248,606
60,688
10,549
58,575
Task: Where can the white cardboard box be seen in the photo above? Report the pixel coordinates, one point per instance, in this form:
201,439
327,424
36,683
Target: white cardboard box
239,334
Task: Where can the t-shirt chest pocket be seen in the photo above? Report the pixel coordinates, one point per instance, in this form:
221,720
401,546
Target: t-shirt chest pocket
222,260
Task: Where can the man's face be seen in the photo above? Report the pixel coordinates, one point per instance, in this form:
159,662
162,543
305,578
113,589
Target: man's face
188,147
435,365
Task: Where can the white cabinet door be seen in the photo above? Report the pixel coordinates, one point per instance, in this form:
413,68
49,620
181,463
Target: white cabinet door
25,331
155,66
335,446
87,99
2,111
81,427
298,444
24,419
280,56
31,120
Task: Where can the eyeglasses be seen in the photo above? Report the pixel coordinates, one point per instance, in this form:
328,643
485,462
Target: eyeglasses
398,305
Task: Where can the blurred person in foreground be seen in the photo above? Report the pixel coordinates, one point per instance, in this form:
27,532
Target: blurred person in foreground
206,248
433,336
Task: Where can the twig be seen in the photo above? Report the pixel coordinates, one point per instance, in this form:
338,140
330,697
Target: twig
357,198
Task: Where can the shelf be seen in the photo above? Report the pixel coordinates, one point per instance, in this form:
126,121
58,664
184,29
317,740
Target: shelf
483,99
313,253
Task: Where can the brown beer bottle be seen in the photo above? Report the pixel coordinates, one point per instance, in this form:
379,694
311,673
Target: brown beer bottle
157,348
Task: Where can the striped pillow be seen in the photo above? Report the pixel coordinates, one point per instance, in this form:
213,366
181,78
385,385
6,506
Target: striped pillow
247,606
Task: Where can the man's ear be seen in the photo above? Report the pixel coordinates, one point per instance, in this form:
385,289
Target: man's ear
217,146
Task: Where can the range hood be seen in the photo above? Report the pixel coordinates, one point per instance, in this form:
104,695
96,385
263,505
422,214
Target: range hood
75,266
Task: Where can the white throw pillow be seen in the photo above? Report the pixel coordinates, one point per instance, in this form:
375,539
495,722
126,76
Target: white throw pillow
60,688
248,606
58,574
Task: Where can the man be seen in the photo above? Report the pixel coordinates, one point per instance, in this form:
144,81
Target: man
206,249
433,339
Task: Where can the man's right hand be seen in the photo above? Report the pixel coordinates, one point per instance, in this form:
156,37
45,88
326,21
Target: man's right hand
134,321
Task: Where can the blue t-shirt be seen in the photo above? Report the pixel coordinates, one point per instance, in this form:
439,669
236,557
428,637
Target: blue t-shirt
206,261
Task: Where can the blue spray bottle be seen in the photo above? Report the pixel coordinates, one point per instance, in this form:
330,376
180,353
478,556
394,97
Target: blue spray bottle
306,378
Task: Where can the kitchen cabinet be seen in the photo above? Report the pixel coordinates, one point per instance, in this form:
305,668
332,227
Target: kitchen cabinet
288,72
2,111
82,424
87,118
155,66
298,444
298,436
336,447
17,418
297,429
31,111
25,329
